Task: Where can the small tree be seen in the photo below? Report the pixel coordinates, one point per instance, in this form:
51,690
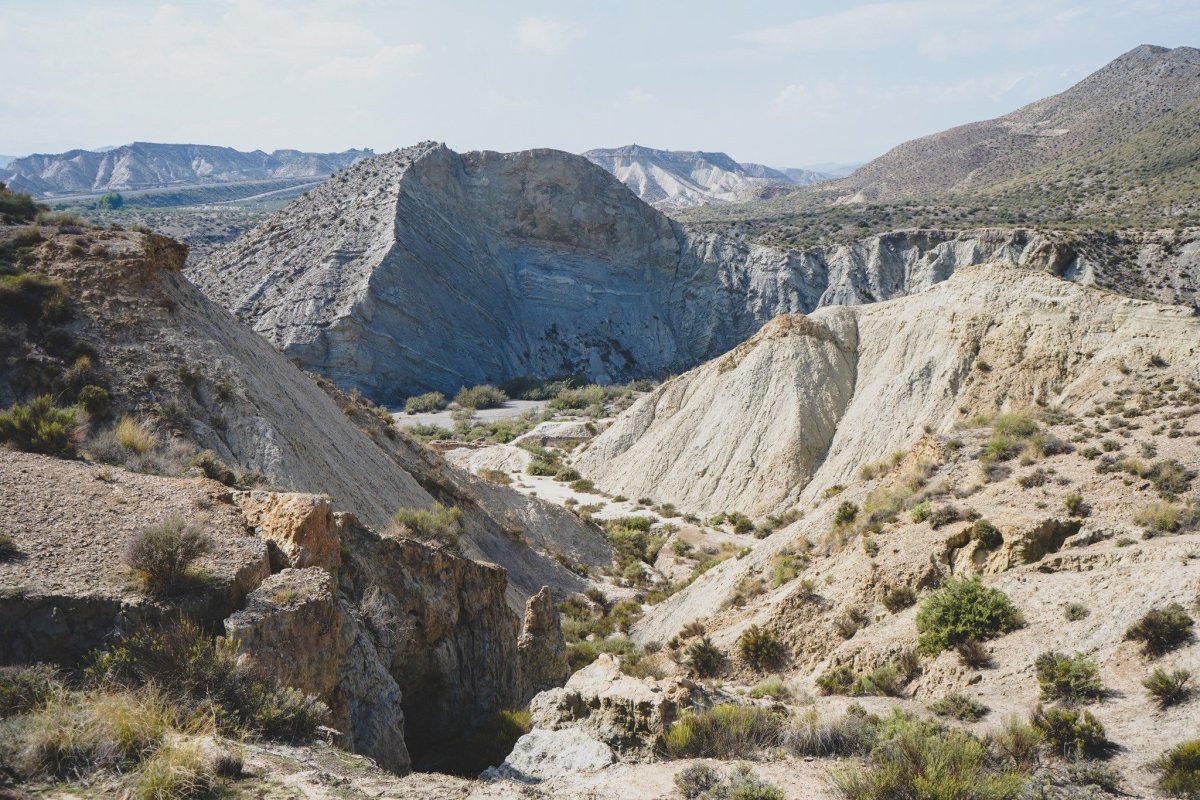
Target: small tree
163,553
964,609
761,648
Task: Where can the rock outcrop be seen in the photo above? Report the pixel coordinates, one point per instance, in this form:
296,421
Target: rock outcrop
627,714
542,649
809,400
427,269
157,343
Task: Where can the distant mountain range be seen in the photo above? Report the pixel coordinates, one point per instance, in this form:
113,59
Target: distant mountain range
673,179
1119,149
145,165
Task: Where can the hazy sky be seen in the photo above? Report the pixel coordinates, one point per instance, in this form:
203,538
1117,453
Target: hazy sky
784,83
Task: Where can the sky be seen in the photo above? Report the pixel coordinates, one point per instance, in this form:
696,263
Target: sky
774,82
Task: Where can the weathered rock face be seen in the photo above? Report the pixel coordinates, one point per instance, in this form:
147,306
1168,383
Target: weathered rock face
542,649
300,527
426,269
809,400
244,401
627,714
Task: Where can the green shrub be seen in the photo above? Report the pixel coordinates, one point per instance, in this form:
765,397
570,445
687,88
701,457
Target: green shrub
921,511
964,609
760,648
898,599
163,553
702,782
724,731
1075,611
773,688
567,474
483,396
26,688
201,674
987,534
1072,733
580,654
960,707
845,513
95,400
696,781
973,653
1073,502
704,658
1017,743
425,403
1073,678
541,468
31,298
852,734
1162,630
944,515
17,206
1169,688
39,427
919,759
437,523
583,485
885,680
495,476
1179,770
1160,516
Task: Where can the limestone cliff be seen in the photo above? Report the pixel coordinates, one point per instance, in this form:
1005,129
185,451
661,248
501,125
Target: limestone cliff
427,269
809,400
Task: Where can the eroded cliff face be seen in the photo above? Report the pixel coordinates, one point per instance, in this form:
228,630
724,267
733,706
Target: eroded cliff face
426,269
807,401
408,645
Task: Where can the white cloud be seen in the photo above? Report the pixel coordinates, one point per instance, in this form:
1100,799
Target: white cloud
805,99
637,97
544,35
385,62
937,29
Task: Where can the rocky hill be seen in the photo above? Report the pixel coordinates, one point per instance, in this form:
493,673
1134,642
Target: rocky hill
673,179
1116,150
201,388
366,278
809,401
147,165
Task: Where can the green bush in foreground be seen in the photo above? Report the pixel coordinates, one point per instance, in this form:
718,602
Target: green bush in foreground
920,759
725,732
1180,770
39,427
964,609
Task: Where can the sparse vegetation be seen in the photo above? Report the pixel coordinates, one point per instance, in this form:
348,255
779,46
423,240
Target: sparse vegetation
425,403
964,609
724,731
986,534
39,426
1179,770
704,658
897,599
437,523
916,758
480,397
1072,733
1169,688
1162,629
1074,678
760,648
1075,611
960,707
163,554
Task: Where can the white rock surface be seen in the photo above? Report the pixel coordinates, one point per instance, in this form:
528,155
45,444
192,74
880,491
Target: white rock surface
808,400
542,754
